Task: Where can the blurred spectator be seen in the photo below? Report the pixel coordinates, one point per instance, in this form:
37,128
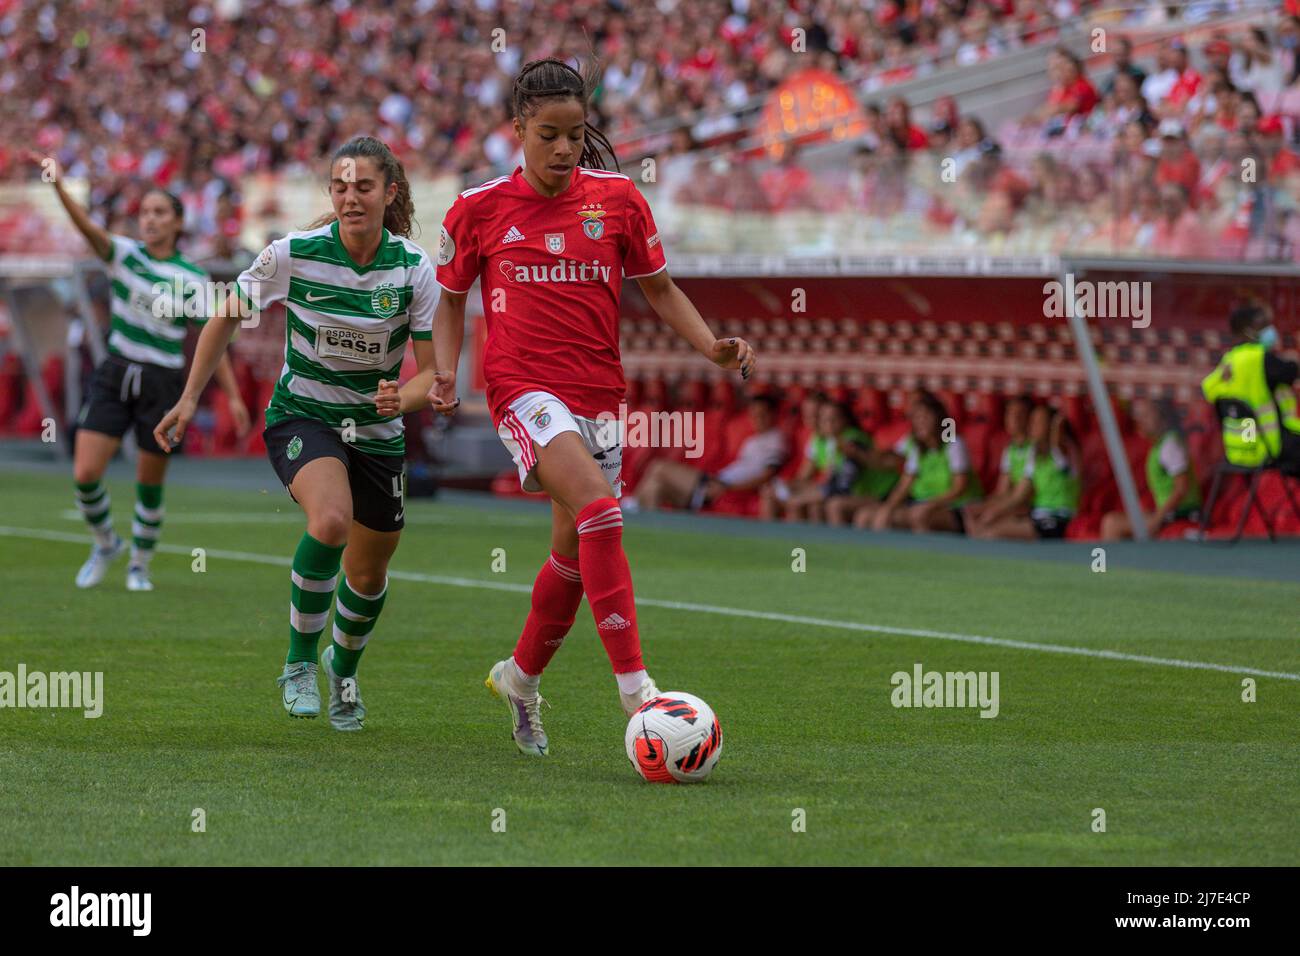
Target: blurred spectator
970,134
788,185
1178,231
683,486
1124,66
1122,105
1254,66
1045,500
937,481
1071,96
1174,83
1288,45
1178,164
899,126
1214,101
1170,474
1011,466
856,472
1282,160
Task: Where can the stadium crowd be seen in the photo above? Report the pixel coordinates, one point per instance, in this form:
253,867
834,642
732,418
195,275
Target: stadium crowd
205,93
1179,156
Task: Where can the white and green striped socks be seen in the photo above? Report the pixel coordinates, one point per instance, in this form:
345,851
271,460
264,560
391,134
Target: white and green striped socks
93,502
315,573
354,618
147,524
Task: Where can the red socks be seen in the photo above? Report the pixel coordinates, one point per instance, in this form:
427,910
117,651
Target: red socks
601,570
608,582
557,592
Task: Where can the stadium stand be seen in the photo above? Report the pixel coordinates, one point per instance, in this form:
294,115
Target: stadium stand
977,149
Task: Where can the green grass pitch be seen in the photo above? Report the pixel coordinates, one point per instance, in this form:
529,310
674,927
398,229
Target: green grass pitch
1186,772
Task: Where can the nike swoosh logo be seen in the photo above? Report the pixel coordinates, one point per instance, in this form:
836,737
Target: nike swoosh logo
317,298
399,515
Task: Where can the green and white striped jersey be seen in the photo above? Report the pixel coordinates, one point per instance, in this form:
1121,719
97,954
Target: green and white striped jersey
149,302
346,328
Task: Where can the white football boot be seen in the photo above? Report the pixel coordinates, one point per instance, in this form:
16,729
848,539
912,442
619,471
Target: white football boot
96,566
525,708
137,578
647,691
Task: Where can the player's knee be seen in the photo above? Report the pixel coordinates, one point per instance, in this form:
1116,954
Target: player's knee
586,494
330,524
85,474
368,580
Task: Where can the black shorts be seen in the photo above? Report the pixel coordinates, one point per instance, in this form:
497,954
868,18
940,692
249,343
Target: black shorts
125,394
1050,526
378,482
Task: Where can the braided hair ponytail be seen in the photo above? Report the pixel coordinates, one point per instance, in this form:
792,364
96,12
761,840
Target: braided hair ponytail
552,78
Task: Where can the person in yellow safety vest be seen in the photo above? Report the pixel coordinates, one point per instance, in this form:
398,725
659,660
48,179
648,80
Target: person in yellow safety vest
1251,390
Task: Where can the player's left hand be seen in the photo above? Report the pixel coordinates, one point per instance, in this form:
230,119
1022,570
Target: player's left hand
734,353
239,414
388,400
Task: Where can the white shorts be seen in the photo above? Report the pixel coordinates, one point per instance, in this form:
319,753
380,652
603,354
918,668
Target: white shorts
539,417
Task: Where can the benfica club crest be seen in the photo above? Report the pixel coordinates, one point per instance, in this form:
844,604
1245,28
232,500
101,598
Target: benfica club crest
555,242
591,220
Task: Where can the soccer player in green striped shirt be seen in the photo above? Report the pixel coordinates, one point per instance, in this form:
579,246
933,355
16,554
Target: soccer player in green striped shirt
355,291
154,289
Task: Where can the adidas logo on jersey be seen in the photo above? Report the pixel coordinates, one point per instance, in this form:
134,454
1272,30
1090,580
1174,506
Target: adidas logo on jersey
514,235
615,622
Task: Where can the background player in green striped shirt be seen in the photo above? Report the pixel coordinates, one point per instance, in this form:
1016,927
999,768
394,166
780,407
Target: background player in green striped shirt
355,291
154,289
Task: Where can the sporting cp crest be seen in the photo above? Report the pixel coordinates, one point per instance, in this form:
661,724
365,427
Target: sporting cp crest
385,301
294,449
555,242
591,221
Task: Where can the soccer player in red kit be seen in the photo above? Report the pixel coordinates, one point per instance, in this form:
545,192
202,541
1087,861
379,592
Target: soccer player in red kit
551,245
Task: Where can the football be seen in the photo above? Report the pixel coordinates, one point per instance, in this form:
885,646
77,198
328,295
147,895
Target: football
674,738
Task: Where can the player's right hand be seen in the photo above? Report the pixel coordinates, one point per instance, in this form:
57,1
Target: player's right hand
734,353
442,396
171,429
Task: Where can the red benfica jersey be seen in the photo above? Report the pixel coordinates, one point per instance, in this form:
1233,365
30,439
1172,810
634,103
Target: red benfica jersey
552,269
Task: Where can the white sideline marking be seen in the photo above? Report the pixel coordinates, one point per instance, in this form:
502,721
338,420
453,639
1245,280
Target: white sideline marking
294,516
449,581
